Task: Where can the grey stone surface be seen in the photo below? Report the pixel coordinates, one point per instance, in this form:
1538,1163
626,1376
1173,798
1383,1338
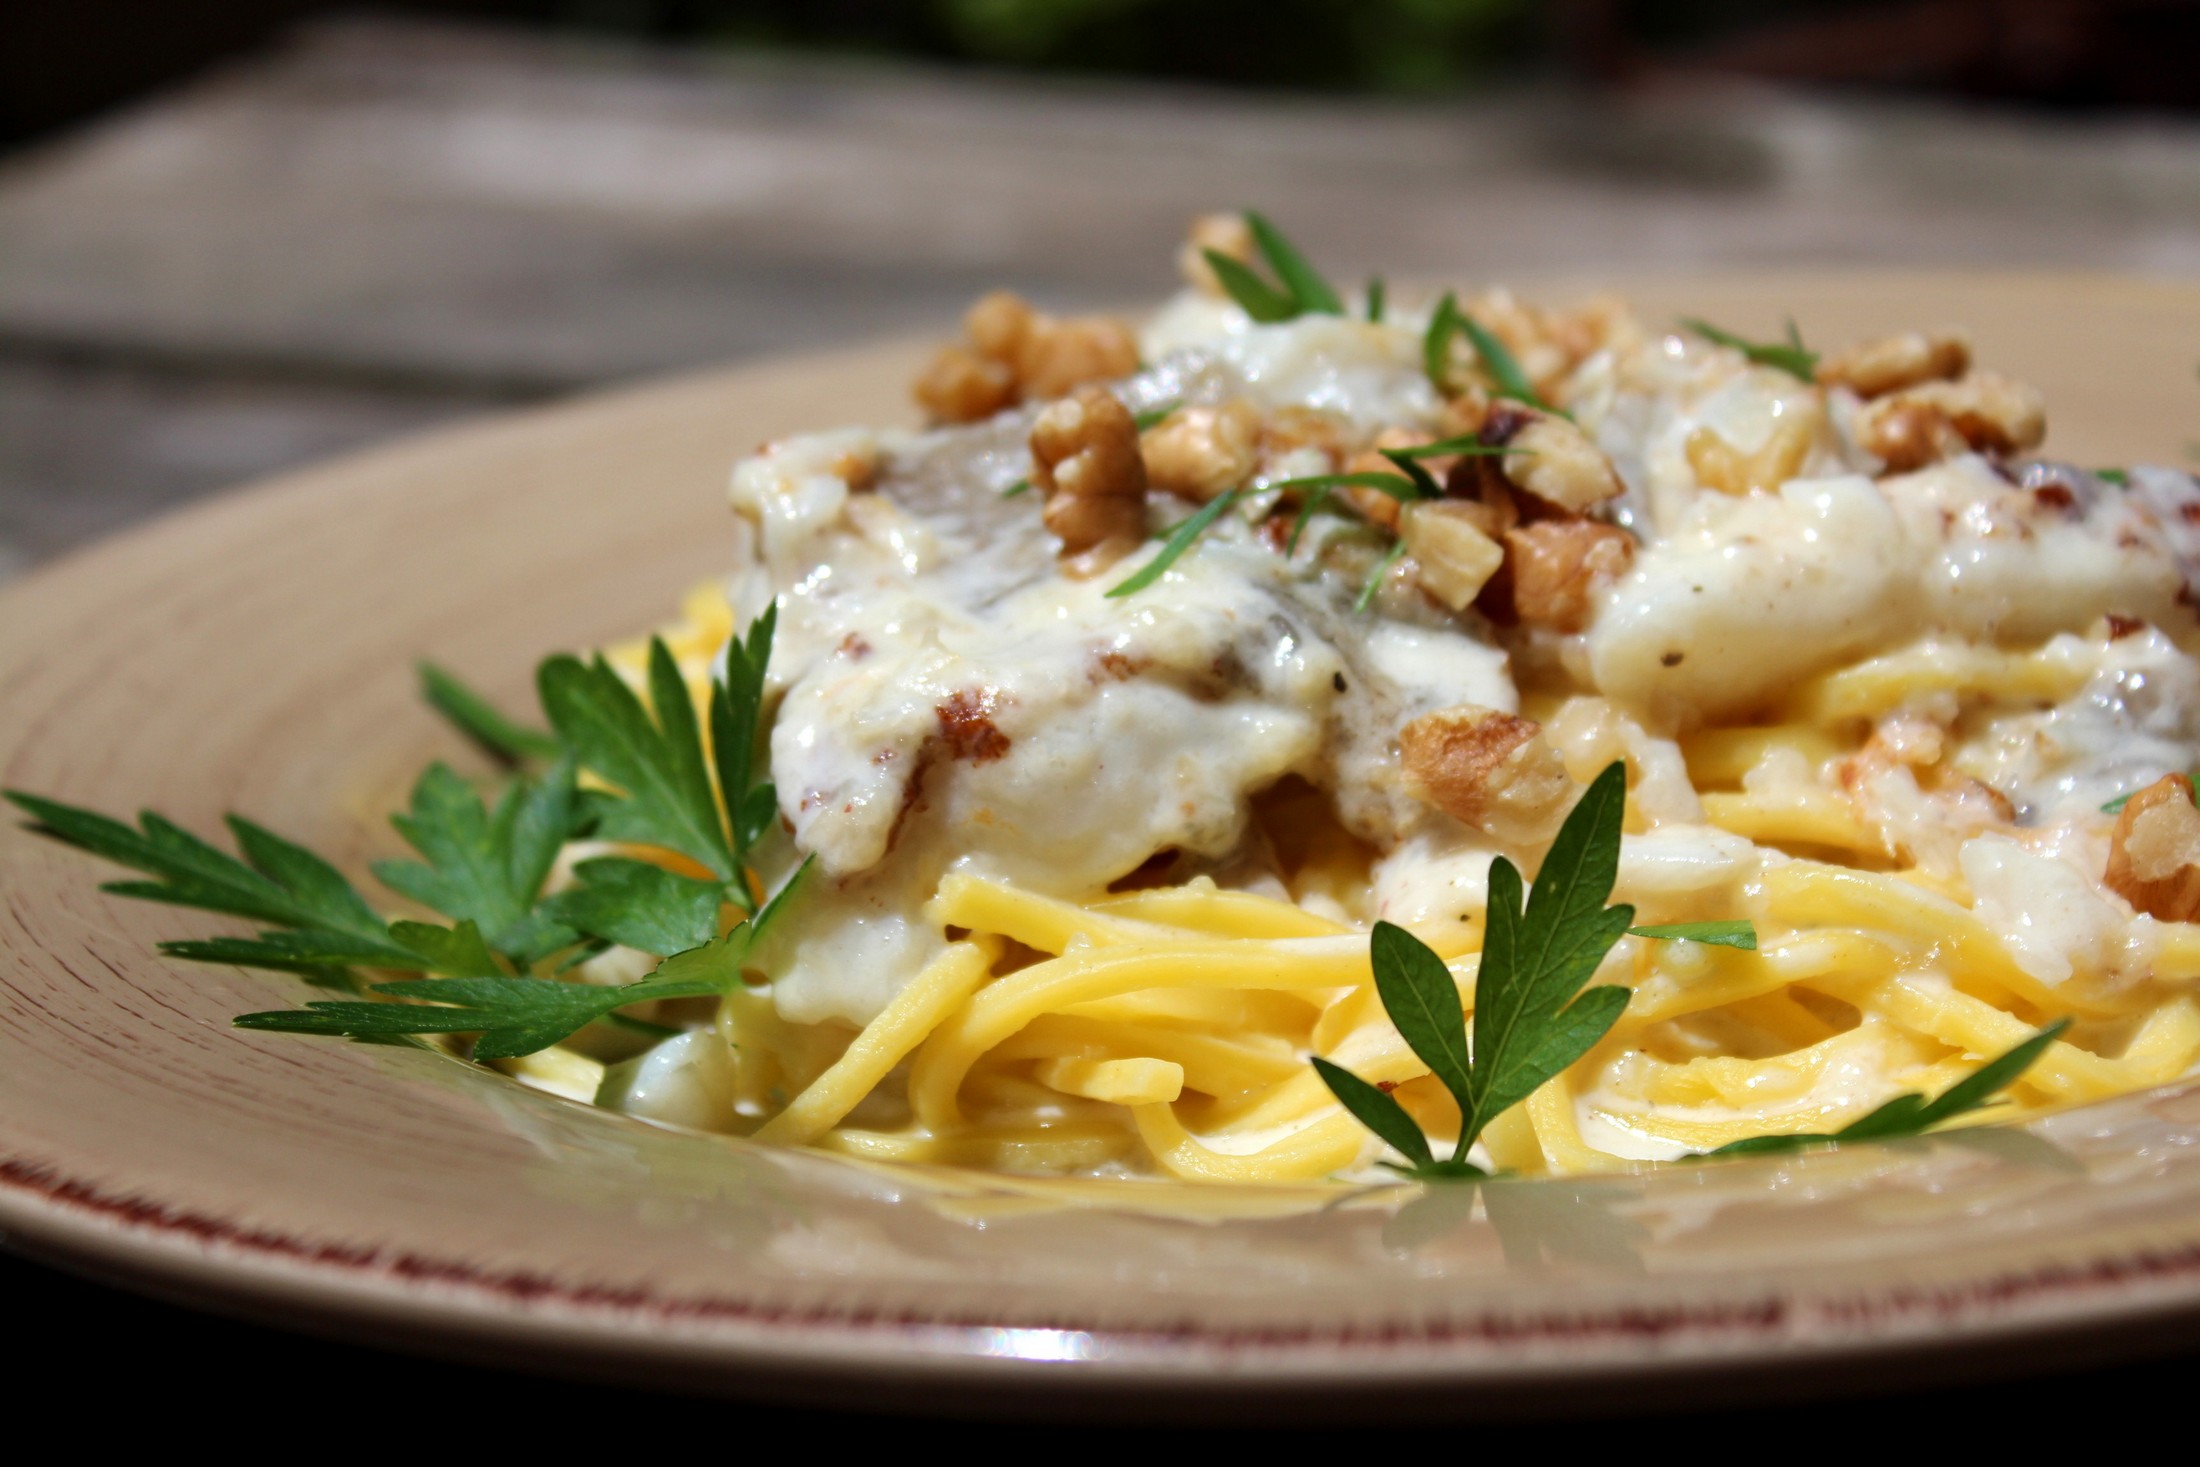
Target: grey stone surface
381,225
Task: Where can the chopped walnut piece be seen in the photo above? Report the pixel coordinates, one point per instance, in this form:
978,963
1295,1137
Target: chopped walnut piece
1920,425
1719,465
1890,363
1492,770
2154,851
1294,430
1453,553
999,324
1014,353
1558,565
1200,452
1466,413
1554,460
1374,505
959,386
1085,458
1057,356
1225,234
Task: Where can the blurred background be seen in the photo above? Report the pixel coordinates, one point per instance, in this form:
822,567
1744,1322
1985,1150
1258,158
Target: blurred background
238,234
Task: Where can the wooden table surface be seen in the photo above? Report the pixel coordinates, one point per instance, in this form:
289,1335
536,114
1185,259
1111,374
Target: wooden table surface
380,226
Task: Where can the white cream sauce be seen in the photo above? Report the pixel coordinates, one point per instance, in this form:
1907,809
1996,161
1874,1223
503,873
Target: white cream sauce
950,701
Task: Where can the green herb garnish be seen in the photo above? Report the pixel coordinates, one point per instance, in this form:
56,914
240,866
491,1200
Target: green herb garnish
1789,356
1739,934
1424,482
1153,417
479,719
1532,1018
321,923
484,865
1468,446
1301,290
657,758
1021,486
1374,582
484,868
2119,477
1320,488
518,1016
1449,321
1306,285
1180,540
1375,300
1912,1114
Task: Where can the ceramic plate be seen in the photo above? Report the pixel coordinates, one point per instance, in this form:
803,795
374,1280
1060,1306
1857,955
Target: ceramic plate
255,655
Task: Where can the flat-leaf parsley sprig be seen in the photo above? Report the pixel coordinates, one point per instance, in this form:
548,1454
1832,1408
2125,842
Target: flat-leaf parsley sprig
1531,1016
519,1016
484,865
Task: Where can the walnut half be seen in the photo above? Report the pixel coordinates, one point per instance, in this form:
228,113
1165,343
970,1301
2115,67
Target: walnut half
1012,353
1084,452
1923,424
1552,458
1558,566
1200,452
1492,770
2154,851
1890,363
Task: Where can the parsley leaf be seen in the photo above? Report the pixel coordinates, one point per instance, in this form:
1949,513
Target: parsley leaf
2121,478
1301,290
322,926
1741,934
1154,417
284,884
639,905
1912,1114
1532,1017
512,1016
518,1016
1789,356
654,756
1180,540
488,869
476,717
736,713
1021,486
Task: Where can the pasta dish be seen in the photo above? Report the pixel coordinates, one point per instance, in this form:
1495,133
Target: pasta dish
1097,723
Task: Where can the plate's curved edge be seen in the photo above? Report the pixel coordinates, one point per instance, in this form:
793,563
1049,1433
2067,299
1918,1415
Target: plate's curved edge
1773,1347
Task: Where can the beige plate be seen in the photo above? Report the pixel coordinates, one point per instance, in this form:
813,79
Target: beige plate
255,654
